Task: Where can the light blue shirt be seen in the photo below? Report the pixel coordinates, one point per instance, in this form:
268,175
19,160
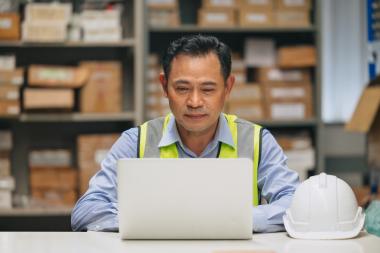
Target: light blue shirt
97,208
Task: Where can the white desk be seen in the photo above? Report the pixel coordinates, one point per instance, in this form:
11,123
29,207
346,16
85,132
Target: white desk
94,242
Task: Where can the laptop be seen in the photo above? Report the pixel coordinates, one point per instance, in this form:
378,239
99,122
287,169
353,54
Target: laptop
189,198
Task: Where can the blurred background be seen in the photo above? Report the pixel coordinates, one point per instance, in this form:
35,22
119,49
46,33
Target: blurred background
75,74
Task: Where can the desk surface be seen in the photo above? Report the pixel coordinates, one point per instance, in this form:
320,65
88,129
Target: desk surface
67,242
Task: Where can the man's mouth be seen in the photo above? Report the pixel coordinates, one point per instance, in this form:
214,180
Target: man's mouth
195,116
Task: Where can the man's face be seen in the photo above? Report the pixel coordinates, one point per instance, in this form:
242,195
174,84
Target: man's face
196,91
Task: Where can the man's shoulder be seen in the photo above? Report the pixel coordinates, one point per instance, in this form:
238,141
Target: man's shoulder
245,122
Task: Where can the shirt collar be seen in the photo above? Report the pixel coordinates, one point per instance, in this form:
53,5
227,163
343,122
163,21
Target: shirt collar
171,135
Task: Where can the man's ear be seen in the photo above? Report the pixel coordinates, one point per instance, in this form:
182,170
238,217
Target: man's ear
164,84
229,84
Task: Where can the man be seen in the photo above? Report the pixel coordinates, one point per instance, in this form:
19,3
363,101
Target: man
196,80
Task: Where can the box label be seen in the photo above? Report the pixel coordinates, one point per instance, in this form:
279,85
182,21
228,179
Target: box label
285,111
216,17
5,23
256,18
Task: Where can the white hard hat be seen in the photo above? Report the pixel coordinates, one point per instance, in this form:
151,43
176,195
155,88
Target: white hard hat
324,207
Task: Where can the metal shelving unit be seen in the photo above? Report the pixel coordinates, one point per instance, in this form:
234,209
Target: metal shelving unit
62,128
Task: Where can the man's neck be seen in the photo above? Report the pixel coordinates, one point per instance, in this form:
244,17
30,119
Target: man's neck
197,141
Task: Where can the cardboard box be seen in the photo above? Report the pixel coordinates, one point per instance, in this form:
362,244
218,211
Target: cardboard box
292,18
240,77
259,52
225,4
44,32
44,98
52,197
216,17
9,26
103,90
366,119
92,149
12,77
7,62
163,4
288,110
238,65
257,4
58,178
294,142
284,91
273,74
250,110
100,19
5,199
57,76
50,158
5,140
293,4
113,34
9,107
163,18
301,159
297,56
153,60
246,92
9,92
252,17
5,167
7,183
48,12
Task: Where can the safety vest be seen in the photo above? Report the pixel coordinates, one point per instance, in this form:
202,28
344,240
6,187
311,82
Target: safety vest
151,132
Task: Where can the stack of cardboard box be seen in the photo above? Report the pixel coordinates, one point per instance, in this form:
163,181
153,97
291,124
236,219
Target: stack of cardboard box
7,183
284,76
9,26
163,13
299,151
46,22
53,181
101,25
92,149
11,79
156,104
287,92
246,98
52,87
254,13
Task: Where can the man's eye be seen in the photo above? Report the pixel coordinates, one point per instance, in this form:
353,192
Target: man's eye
182,89
207,90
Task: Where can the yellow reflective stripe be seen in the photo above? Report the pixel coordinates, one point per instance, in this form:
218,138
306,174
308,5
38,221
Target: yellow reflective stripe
256,159
226,151
143,133
170,151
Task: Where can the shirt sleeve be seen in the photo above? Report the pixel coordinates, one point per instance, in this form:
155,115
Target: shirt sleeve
97,209
277,184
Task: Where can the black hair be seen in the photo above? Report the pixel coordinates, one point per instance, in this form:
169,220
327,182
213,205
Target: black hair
198,45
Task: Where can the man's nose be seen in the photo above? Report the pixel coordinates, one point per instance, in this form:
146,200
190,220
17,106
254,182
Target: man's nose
195,99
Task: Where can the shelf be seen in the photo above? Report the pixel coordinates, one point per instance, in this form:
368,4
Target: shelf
195,28
123,43
76,117
36,211
287,123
